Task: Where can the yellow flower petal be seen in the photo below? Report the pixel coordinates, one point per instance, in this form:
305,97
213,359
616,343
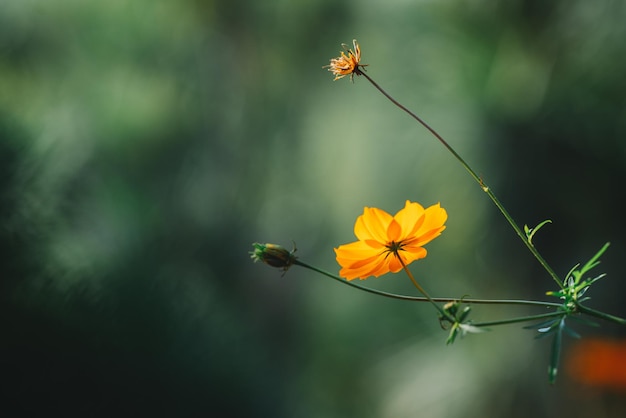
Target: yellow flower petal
410,218
411,210
372,225
374,266
348,254
434,218
394,231
410,254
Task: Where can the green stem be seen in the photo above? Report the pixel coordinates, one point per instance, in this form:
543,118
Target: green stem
580,308
518,319
472,173
601,315
423,299
443,313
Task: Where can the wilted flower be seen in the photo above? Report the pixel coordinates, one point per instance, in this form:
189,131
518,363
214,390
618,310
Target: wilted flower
387,243
346,64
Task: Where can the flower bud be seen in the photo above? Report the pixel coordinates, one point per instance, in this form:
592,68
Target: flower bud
273,255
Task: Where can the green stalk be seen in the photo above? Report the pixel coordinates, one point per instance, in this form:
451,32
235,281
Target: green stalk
518,319
473,174
424,299
423,292
601,315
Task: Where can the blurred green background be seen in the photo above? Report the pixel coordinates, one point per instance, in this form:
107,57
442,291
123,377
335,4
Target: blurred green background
146,144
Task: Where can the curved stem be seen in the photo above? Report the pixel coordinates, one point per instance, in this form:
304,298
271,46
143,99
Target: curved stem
423,299
475,176
423,292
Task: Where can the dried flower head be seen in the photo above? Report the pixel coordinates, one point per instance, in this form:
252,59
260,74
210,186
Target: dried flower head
388,243
347,64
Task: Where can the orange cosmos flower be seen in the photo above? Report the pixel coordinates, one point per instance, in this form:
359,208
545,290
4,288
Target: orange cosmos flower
387,242
599,362
346,64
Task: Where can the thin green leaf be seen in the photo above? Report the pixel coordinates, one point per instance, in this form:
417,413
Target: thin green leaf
571,332
595,279
543,324
549,331
530,233
570,273
585,321
595,259
555,355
